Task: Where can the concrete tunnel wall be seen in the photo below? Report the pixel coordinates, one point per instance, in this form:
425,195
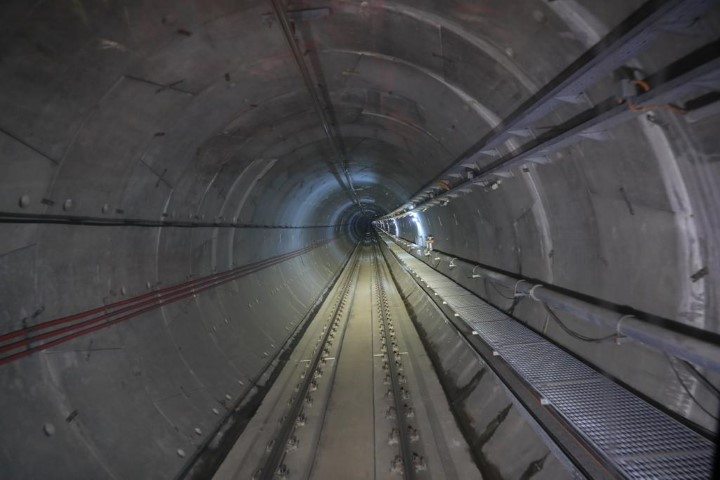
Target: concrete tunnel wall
194,111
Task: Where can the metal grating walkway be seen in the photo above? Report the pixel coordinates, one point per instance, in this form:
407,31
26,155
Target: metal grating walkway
640,440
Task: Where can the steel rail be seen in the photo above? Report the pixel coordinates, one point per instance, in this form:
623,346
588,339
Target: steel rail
273,461
393,361
324,120
630,38
196,465
105,316
696,70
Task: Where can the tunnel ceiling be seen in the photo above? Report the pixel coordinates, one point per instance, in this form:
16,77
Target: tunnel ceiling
191,92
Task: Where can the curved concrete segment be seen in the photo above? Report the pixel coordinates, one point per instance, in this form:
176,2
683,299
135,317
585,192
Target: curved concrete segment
181,197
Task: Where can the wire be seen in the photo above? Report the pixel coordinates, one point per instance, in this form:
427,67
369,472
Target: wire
573,333
511,309
41,218
647,108
515,298
645,87
703,379
687,390
492,284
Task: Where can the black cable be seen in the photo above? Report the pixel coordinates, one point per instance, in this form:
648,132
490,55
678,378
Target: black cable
41,218
498,290
703,379
687,390
677,374
515,299
573,333
511,308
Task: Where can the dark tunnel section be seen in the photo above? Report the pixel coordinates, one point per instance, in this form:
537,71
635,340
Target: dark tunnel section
360,222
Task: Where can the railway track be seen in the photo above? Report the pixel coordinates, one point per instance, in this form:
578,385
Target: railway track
308,398
358,399
409,461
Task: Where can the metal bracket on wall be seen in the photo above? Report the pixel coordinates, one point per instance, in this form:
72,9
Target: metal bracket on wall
630,38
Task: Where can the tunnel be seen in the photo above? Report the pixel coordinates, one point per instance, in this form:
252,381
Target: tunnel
359,239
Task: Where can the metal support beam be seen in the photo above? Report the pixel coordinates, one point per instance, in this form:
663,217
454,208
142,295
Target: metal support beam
623,43
695,71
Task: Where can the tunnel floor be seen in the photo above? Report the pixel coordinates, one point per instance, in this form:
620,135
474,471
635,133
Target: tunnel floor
359,397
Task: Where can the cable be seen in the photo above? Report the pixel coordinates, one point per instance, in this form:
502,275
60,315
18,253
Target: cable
492,284
516,299
687,390
42,218
648,108
645,87
511,309
573,333
703,379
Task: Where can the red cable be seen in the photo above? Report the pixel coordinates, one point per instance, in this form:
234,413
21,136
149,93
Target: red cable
158,299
